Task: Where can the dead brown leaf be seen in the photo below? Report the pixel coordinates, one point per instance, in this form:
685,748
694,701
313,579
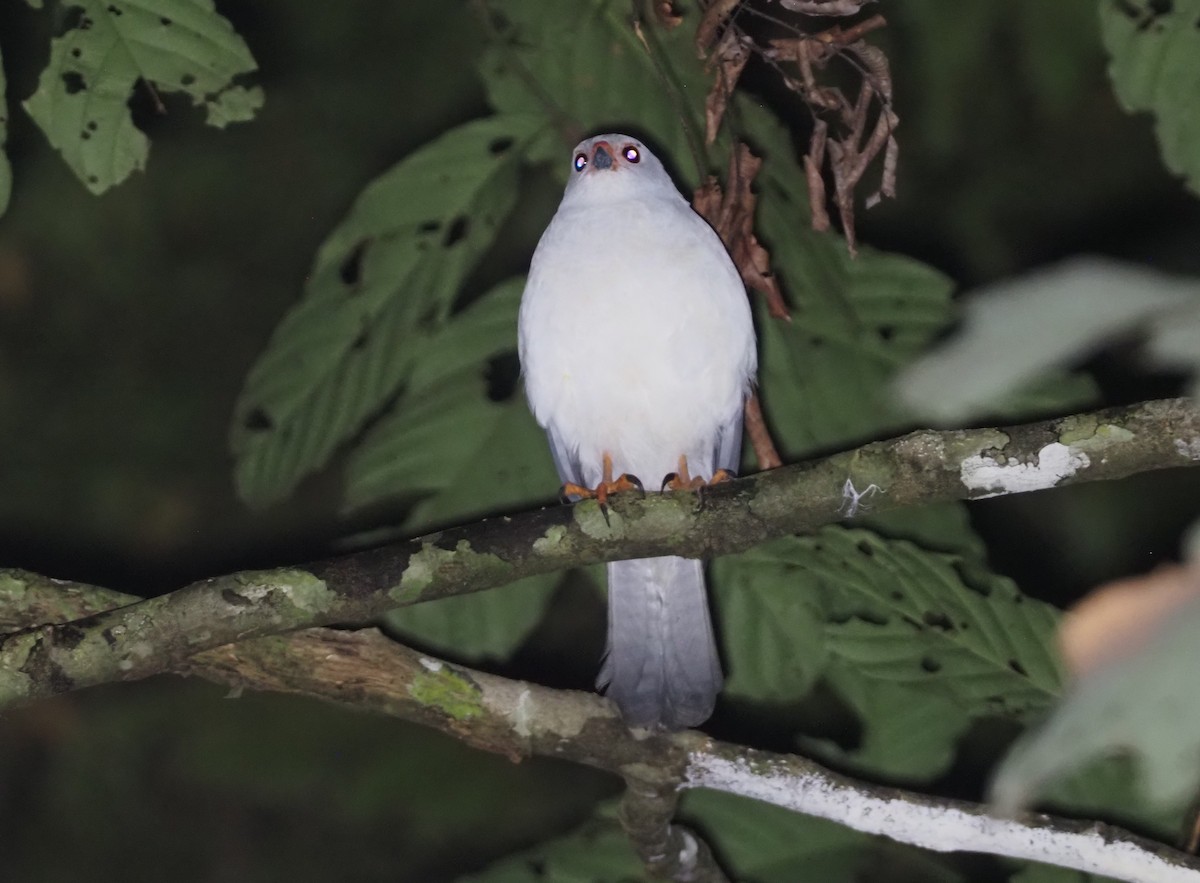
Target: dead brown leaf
848,135
731,214
1122,616
710,24
729,58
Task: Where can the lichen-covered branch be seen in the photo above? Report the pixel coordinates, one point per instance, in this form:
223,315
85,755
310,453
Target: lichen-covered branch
934,823
364,670
158,634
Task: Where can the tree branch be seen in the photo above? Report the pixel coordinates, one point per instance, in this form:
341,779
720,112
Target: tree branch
366,671
158,634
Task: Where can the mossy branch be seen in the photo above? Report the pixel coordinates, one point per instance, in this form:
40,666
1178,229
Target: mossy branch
142,637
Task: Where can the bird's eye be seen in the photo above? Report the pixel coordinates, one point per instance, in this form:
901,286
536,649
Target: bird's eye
580,162
631,153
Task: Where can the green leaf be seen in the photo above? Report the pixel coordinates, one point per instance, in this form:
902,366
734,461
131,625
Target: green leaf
384,283
480,626
1016,331
598,852
768,844
1155,49
5,168
823,376
583,69
917,643
1142,704
82,98
459,455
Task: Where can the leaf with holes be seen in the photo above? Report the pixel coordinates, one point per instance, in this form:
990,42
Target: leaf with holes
457,454
1155,50
917,643
769,844
599,850
82,98
755,841
585,67
1141,703
384,282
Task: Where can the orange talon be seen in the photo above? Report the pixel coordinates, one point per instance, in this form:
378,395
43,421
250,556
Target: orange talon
683,479
608,485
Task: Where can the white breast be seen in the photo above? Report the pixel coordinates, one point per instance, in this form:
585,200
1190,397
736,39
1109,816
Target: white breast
635,336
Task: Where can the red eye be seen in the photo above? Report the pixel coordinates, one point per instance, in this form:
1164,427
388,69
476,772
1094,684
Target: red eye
580,162
631,154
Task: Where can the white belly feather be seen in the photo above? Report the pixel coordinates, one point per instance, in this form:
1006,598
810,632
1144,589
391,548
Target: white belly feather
634,340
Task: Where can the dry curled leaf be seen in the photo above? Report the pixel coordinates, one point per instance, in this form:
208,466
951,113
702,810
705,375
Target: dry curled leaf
848,150
728,60
1122,617
710,24
731,214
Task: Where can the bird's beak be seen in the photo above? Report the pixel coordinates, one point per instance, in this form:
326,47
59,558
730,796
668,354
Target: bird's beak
602,156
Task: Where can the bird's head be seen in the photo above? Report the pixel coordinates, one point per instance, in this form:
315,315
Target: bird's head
613,167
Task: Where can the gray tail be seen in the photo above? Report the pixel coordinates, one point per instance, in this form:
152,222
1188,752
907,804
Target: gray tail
661,665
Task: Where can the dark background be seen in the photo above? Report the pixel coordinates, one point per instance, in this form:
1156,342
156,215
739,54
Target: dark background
128,322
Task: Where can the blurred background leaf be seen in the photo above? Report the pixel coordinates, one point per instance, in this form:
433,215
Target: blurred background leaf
110,49
1155,49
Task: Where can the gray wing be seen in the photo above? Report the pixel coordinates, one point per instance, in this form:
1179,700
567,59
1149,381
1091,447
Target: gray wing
728,446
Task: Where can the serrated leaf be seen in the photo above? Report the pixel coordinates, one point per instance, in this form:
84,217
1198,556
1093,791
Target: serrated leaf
480,626
768,844
5,168
918,644
384,282
1019,329
1155,66
823,375
1143,705
598,852
81,102
584,69
461,455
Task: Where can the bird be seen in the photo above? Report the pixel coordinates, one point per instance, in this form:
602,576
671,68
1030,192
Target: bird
638,353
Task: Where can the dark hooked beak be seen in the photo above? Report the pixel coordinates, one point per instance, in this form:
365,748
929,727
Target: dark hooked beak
602,157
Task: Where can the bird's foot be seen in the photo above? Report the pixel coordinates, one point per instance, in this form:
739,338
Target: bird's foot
684,481
607,486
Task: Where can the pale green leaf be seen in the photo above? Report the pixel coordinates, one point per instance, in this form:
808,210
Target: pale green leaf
5,168
1015,331
81,102
1155,50
582,67
1143,704
1174,344
917,643
234,105
384,281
